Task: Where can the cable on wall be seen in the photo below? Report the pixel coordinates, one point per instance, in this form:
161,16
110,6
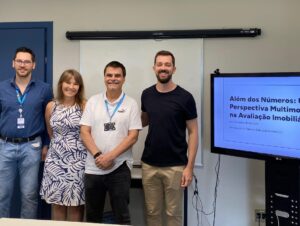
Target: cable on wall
197,202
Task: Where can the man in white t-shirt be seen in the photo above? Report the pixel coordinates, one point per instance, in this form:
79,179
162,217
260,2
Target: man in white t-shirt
109,127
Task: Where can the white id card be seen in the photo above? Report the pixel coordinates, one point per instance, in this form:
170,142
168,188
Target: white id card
20,123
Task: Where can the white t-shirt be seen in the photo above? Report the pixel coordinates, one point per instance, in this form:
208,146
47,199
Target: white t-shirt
127,117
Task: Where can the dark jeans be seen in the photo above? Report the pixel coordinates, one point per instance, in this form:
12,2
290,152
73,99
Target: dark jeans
117,184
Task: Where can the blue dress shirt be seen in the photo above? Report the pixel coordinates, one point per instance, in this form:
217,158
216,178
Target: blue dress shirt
38,94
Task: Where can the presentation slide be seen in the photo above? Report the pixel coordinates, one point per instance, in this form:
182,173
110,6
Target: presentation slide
258,114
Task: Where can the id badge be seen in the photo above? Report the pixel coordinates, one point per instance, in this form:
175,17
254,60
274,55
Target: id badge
110,126
20,123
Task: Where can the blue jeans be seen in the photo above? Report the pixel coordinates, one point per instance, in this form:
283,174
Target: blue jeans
117,184
23,159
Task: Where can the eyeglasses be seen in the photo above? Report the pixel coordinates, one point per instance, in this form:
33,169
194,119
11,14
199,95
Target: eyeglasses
25,62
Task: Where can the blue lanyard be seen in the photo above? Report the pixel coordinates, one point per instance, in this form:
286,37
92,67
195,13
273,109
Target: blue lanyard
116,108
21,99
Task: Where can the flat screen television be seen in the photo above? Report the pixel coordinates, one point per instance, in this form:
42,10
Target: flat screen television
256,115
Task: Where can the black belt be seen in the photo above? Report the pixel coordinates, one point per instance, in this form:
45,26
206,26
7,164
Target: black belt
18,139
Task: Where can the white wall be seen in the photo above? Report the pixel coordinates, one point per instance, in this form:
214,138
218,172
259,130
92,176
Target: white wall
241,188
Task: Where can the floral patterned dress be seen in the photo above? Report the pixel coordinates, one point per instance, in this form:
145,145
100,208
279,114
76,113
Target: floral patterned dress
62,182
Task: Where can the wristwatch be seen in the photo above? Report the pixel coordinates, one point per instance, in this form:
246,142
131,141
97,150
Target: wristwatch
97,154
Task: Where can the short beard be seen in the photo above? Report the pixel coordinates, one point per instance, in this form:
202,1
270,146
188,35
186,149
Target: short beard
164,80
24,75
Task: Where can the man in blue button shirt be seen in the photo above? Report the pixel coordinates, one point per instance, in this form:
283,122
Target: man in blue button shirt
22,133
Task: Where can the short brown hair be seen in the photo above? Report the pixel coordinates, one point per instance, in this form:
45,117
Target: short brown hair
116,64
165,53
25,50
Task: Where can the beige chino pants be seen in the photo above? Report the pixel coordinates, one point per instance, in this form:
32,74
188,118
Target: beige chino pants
162,190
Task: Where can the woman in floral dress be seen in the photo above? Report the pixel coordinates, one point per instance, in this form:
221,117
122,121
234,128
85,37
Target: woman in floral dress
62,184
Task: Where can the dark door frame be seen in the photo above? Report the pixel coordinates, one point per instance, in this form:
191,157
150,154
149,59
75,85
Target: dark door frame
48,29
44,210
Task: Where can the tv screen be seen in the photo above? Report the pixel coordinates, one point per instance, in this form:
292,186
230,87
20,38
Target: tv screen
256,115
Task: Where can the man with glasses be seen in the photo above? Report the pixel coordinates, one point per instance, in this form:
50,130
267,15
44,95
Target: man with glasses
22,133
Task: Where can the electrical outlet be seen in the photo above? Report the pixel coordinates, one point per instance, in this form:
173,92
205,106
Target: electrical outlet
260,215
